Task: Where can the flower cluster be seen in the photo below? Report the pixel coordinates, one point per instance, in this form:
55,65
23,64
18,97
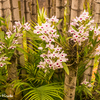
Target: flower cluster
2,64
26,26
83,17
9,33
11,40
2,61
97,51
97,31
86,83
2,58
52,19
53,59
19,26
55,55
80,27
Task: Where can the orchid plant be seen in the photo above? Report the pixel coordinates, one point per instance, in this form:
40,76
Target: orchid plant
9,42
84,24
85,35
53,55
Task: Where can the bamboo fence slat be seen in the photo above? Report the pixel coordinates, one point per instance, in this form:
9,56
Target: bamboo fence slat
60,12
97,12
34,11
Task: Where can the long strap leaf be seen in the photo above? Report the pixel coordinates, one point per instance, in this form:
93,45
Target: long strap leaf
25,45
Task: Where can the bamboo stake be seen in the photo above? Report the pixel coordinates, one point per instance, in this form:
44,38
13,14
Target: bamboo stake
15,10
0,8
34,11
68,14
77,8
97,12
92,6
60,13
70,80
54,7
12,9
6,12
27,4
20,40
22,9
48,8
88,71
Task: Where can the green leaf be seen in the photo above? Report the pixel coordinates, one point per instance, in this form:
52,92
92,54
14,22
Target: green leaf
97,91
3,24
65,68
38,8
11,39
23,21
58,23
90,35
7,62
0,23
2,35
44,92
68,38
2,19
74,28
89,9
85,50
21,50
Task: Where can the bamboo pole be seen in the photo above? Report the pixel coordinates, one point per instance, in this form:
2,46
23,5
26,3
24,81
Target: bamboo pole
92,6
54,7
15,17
27,4
34,11
77,8
68,15
12,9
3,7
22,9
49,8
70,80
60,13
88,72
6,12
0,8
97,12
21,59
70,84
